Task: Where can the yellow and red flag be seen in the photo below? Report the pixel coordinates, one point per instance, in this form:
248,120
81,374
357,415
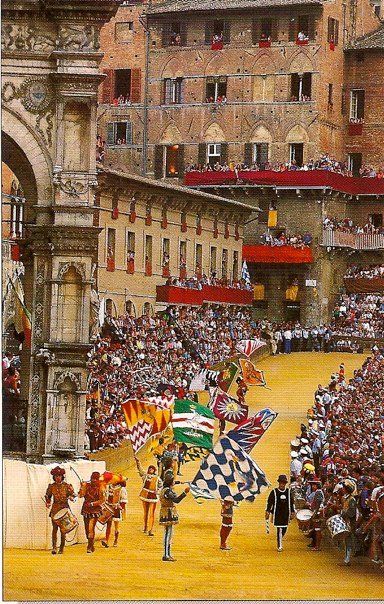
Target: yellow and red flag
143,421
251,375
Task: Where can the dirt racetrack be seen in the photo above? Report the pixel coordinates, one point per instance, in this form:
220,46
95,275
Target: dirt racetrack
253,569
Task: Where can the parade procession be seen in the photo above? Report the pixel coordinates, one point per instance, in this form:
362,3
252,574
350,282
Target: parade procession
192,300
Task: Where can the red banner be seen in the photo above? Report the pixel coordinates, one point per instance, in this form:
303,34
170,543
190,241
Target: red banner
172,294
285,254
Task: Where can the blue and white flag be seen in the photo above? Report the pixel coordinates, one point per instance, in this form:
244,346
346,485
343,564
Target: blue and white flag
228,473
245,273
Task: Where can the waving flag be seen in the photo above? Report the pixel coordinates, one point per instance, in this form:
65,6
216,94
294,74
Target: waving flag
227,376
200,379
143,421
193,453
248,347
251,375
193,423
249,432
228,473
245,273
227,408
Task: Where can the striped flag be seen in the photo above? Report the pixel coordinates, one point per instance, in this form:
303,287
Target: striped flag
248,347
193,423
22,316
249,432
143,421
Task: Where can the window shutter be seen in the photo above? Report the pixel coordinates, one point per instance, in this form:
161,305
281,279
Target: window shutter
293,29
158,161
166,34
135,85
224,153
208,32
263,153
226,32
329,37
202,154
248,160
275,30
180,161
167,90
129,134
183,33
108,86
256,31
336,40
181,90
110,133
311,27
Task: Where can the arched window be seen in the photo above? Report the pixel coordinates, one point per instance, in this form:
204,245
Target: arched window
147,309
109,307
130,308
70,307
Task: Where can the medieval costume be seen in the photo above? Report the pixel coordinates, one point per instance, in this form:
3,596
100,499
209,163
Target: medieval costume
281,505
94,497
116,496
60,492
168,514
149,495
226,523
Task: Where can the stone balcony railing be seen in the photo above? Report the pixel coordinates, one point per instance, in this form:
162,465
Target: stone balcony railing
352,241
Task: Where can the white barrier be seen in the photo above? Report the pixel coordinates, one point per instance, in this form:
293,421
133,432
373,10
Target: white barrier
26,521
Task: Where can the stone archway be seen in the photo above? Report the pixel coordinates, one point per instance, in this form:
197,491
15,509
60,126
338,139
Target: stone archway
50,66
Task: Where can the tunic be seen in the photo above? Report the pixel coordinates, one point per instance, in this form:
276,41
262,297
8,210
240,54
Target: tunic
60,494
168,512
280,504
92,494
116,495
227,514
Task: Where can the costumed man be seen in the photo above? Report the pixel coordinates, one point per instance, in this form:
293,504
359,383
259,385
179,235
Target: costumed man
60,492
316,502
348,512
116,496
169,459
281,505
94,497
168,513
149,495
226,523
242,390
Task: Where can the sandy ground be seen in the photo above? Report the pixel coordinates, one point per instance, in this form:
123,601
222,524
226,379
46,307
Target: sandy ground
253,569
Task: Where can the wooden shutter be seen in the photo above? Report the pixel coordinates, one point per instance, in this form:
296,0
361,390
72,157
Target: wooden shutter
223,153
330,36
274,30
263,153
181,90
183,33
248,159
180,161
108,86
129,133
311,27
336,27
110,133
256,31
158,161
202,154
293,28
226,32
135,85
167,91
208,32
166,34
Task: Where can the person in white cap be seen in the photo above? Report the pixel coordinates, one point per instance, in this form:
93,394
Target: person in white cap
296,466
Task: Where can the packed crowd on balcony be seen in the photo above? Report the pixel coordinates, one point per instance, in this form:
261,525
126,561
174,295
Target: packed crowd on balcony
347,225
373,271
337,459
135,358
195,282
299,241
360,315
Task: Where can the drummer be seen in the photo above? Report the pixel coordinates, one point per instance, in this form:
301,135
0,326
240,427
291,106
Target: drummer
94,497
116,496
61,493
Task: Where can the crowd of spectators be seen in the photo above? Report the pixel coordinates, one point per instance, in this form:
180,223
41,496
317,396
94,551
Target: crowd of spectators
346,225
337,462
194,282
360,315
140,357
373,271
299,241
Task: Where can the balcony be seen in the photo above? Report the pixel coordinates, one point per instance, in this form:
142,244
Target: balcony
284,254
352,241
291,179
171,294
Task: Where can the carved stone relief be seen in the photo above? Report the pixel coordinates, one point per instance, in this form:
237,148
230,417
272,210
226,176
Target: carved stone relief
78,37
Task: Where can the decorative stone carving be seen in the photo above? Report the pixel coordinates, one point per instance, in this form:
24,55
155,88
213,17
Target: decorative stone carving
64,266
73,188
26,37
73,377
78,37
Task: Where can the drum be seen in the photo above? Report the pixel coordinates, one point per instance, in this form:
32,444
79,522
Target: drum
304,520
337,526
300,503
107,513
65,520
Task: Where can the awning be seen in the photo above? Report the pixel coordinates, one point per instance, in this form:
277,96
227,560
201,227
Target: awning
284,254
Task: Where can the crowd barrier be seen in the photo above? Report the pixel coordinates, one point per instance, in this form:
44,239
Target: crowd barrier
26,521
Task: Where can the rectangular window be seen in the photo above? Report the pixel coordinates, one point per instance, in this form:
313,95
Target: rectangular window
330,95
260,154
357,105
119,133
224,264
174,34
301,87
130,243
213,153
111,249
148,255
124,32
213,260
183,258
199,258
165,257
122,84
216,89
333,31
355,161
296,153
302,27
235,267
172,158
376,220
173,91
